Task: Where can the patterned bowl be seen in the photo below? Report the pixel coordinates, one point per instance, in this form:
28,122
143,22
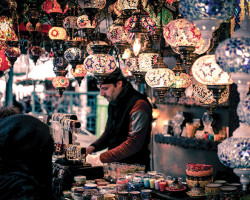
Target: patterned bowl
199,170
203,181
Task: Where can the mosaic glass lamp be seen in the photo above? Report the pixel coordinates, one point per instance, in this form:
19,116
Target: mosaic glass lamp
13,51
73,54
160,78
83,22
60,83
100,63
183,36
57,33
207,15
60,66
79,73
92,7
7,32
4,61
181,81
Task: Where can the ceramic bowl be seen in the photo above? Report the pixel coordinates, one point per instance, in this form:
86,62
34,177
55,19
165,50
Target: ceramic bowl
193,169
203,181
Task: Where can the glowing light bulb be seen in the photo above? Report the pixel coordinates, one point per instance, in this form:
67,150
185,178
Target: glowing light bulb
136,46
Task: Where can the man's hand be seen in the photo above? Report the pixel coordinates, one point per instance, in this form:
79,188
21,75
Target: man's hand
89,150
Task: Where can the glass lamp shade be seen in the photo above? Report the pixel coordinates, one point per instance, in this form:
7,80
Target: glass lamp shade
233,55
12,53
52,6
160,77
73,55
202,46
100,63
3,45
207,15
7,32
59,66
60,83
243,110
70,22
117,9
99,4
181,80
4,61
147,61
118,34
57,33
147,22
166,14
88,48
84,22
204,96
79,73
35,52
206,71
130,4
181,32
132,64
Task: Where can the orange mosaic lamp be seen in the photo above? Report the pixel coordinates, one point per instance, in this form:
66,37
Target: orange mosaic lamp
57,33
60,83
79,73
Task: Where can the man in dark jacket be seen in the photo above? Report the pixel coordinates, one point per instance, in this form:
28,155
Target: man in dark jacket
128,128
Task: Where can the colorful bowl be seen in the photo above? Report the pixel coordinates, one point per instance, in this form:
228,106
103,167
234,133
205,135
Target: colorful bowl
199,170
203,181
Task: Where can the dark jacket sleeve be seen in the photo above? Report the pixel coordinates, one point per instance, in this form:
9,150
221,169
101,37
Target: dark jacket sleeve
139,123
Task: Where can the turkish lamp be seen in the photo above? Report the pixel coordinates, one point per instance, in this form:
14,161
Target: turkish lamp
4,62
13,51
7,32
207,16
73,54
60,83
100,63
160,78
133,66
181,81
60,66
79,73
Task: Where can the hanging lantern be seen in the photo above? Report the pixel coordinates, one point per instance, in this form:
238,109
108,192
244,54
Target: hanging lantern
100,63
4,62
79,73
57,33
207,16
60,66
181,81
202,46
52,6
92,7
12,52
35,52
70,22
233,55
83,22
73,54
44,56
60,83
7,32
160,78
206,71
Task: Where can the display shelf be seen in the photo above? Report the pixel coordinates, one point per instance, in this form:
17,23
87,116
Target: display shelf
189,143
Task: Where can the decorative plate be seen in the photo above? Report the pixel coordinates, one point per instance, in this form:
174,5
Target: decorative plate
180,189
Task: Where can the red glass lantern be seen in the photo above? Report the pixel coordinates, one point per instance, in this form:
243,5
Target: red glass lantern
4,61
79,73
35,52
60,83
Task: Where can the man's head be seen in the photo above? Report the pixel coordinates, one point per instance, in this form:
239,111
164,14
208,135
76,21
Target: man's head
112,85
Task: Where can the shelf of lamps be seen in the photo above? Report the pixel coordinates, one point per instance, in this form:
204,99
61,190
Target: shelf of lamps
188,143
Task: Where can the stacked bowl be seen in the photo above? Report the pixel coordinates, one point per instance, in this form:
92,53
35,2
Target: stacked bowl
201,173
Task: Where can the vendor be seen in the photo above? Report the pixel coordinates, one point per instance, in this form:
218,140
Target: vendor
128,128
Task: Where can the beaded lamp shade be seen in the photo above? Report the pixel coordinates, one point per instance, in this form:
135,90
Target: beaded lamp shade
7,32
79,73
70,22
4,61
100,63
88,48
73,55
57,33
84,22
206,71
60,83
181,80
233,55
202,46
60,66
205,96
181,32
132,64
130,4
12,52
117,9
